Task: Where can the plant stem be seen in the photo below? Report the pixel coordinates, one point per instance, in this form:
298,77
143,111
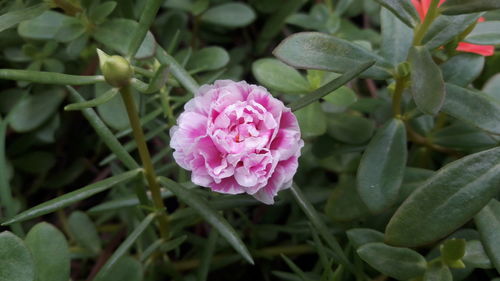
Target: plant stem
398,96
145,156
431,15
167,109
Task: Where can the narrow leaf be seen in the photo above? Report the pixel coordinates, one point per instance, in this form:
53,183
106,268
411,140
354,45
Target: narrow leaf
208,253
148,15
230,15
17,263
488,224
354,71
456,7
93,102
295,268
210,215
12,18
427,85
73,197
53,78
403,9
177,70
445,28
443,203
381,170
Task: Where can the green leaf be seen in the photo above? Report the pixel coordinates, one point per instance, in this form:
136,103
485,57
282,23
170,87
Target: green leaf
344,203
231,15
492,87
314,50
312,121
208,253
35,162
36,109
104,133
71,29
351,129
17,263
475,255
112,112
456,7
485,33
399,263
403,9
115,34
98,13
462,137
476,109
361,236
330,86
210,215
488,224
452,250
206,59
43,27
462,69
12,18
445,28
50,252
177,70
93,102
381,169
126,268
113,263
84,231
437,271
342,97
141,31
442,203
427,85
396,38
72,197
279,77
43,77
295,268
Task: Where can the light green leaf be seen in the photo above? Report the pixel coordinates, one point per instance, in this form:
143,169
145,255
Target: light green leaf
231,15
442,203
342,97
209,58
210,215
98,13
12,18
314,50
488,224
456,7
475,255
50,252
485,33
84,231
492,87
399,263
474,108
43,27
312,120
279,77
381,169
427,85
72,197
17,263
360,236
403,9
349,128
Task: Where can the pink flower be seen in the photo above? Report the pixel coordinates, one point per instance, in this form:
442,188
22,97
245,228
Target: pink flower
422,6
236,138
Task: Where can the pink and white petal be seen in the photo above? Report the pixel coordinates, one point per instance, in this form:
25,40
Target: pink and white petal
245,177
227,186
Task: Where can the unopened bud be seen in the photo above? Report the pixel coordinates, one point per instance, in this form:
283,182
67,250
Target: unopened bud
117,70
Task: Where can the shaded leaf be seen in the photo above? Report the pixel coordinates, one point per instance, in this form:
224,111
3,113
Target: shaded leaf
17,263
279,77
12,18
462,69
231,15
488,224
403,9
456,7
84,231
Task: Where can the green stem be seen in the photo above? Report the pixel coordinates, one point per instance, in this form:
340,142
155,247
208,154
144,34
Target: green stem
145,156
398,96
431,15
167,109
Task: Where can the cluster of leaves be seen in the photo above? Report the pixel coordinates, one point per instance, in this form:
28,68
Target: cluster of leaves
399,177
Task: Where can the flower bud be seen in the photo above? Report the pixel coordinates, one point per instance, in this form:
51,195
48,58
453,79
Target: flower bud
452,252
116,69
403,70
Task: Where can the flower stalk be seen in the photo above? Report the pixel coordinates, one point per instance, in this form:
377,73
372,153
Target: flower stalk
431,15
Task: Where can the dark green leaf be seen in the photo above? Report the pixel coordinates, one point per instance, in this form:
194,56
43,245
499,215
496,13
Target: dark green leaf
312,120
381,170
295,268
140,33
492,87
279,77
396,38
72,197
445,28
35,162
70,30
462,69
126,268
456,7
43,27
403,9
208,253
349,128
437,271
399,263
230,15
12,18
485,33
177,70
84,231
427,85
98,13
209,58
443,203
463,137
344,203
210,215
313,50
17,263
94,102
360,236
488,224
474,108
475,255
50,252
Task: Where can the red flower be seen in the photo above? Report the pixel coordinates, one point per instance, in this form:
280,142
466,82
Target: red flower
422,6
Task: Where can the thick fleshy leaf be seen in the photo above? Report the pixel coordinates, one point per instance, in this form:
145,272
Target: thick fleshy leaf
209,58
279,77
12,18
443,203
399,263
427,85
475,254
231,15
403,9
462,69
348,128
314,50
210,215
84,231
445,28
474,108
17,263
437,271
342,97
492,87
456,7
463,137
312,120
50,252
381,169
485,33
72,197
43,27
488,224
396,38
361,236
